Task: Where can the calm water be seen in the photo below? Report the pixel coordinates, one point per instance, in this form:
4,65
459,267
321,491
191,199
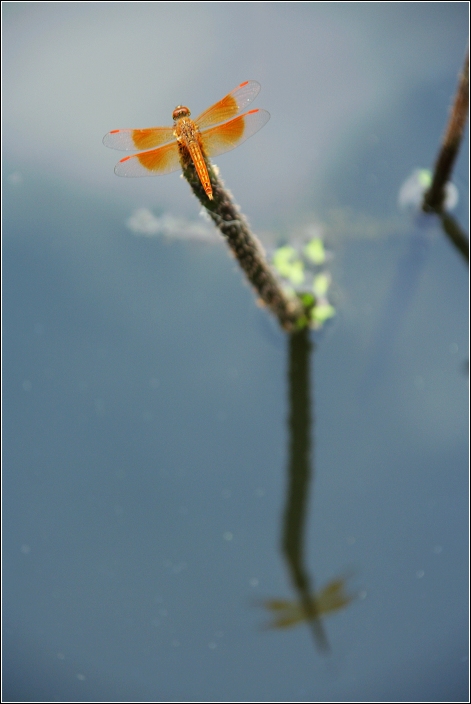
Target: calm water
146,397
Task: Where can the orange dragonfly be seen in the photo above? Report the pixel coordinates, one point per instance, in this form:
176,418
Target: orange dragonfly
218,129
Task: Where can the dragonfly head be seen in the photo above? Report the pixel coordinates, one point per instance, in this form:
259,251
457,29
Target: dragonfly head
180,111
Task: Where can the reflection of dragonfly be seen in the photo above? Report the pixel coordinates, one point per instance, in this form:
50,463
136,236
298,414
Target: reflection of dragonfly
190,139
290,613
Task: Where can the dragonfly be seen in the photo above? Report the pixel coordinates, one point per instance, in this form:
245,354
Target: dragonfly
215,131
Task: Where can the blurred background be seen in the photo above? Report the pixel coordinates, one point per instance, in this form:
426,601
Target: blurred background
145,393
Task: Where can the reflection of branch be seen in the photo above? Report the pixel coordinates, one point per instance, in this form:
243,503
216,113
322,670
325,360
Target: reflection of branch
245,246
435,196
309,606
299,477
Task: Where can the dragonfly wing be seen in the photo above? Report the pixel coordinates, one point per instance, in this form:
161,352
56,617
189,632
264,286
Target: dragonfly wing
223,138
163,160
129,140
233,103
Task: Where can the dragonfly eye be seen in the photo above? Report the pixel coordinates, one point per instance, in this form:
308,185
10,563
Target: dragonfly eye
180,111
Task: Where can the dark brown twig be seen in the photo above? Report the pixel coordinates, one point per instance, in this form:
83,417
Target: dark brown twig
434,198
455,234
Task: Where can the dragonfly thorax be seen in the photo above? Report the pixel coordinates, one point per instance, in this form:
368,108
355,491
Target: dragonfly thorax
180,111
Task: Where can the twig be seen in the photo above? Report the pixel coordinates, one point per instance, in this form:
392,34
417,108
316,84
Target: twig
455,234
245,246
434,198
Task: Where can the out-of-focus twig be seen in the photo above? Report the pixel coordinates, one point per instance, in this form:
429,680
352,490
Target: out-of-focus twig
434,198
455,234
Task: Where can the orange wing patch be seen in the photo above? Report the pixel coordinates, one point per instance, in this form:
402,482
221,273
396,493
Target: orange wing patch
156,161
152,137
230,105
222,138
130,140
